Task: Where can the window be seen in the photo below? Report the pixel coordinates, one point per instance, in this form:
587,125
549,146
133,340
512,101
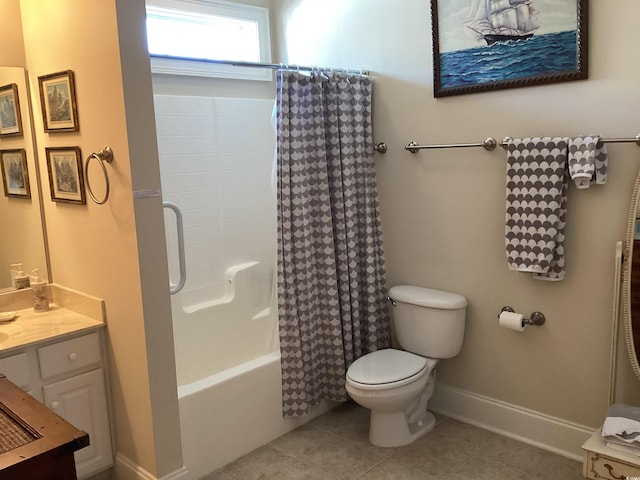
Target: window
190,32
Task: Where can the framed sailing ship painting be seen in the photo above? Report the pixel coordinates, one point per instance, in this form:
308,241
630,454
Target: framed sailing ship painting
481,45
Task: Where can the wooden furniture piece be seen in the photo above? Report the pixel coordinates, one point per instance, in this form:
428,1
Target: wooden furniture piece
35,443
67,375
602,462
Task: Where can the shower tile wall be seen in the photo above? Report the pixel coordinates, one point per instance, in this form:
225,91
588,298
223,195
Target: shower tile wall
216,158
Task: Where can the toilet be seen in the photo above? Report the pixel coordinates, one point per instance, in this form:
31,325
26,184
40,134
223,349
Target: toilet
397,384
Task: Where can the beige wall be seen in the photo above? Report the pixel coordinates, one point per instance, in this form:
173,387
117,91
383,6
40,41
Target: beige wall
95,249
443,211
12,53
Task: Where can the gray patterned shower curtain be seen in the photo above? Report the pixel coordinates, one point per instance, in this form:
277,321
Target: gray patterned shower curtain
332,303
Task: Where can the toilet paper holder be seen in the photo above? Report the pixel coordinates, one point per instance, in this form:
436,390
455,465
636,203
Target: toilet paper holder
537,318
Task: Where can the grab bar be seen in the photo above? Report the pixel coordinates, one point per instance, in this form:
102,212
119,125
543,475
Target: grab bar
181,261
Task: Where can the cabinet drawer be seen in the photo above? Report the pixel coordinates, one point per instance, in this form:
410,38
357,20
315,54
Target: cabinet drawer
69,355
603,467
16,368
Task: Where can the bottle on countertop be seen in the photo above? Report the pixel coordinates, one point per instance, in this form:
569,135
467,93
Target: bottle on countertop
14,269
21,279
40,291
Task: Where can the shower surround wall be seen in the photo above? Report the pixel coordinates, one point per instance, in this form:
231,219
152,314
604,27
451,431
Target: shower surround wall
216,160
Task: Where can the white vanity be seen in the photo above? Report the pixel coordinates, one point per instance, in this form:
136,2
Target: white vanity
58,358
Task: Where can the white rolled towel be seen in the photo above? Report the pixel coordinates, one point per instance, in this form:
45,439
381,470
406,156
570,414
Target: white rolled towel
622,424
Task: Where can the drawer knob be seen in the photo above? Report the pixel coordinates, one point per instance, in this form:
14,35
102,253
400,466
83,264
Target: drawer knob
55,405
73,356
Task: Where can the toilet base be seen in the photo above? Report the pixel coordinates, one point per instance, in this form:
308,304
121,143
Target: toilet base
391,429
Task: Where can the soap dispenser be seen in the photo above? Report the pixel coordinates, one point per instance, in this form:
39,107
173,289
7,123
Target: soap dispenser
13,270
21,279
40,292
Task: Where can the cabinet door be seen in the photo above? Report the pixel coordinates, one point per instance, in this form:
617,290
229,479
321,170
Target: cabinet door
82,401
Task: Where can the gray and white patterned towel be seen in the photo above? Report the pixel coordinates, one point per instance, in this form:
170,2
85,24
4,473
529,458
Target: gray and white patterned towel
588,161
536,206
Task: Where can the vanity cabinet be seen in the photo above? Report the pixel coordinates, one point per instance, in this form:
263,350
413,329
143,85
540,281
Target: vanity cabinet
67,375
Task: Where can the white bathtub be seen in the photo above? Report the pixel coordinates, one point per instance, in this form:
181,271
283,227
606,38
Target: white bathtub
229,379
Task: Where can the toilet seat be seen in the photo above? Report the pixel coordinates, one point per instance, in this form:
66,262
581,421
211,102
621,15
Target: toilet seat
388,368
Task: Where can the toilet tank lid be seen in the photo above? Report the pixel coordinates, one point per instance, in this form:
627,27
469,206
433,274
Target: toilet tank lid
427,297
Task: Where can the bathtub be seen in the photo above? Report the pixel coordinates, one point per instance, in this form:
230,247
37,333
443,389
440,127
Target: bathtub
229,379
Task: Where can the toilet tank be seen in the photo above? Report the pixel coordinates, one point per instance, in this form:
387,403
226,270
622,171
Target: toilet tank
428,322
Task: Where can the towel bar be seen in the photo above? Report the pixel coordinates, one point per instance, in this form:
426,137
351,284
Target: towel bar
504,143
490,143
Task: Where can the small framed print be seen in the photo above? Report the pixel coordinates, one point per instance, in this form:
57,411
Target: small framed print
66,179
10,119
15,174
58,99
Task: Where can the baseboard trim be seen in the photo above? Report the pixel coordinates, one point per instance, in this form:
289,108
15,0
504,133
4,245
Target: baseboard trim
126,469
528,426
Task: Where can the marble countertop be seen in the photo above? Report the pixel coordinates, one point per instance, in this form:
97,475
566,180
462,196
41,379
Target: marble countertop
30,327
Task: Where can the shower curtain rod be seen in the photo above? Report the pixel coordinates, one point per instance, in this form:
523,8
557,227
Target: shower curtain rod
272,66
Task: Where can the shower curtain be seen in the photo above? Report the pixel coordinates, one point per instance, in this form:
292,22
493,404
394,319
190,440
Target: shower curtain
332,303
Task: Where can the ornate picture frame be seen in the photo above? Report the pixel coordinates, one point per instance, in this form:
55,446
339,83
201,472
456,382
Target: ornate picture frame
66,177
58,102
482,45
10,117
15,173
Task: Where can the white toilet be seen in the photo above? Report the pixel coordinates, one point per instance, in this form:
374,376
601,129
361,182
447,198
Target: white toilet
397,384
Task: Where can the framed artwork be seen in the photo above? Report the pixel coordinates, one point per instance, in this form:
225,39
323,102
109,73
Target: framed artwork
66,179
10,118
481,45
58,99
15,174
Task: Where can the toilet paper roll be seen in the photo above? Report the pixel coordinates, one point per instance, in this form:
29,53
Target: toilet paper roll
512,320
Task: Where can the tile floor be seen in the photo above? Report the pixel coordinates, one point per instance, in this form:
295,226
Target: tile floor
335,446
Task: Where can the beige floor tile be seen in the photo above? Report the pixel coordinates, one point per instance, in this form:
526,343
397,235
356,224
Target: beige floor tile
345,459
460,435
431,457
268,463
218,475
478,468
335,446
391,470
561,468
518,455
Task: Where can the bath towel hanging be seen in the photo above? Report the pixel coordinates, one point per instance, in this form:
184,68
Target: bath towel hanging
536,206
588,161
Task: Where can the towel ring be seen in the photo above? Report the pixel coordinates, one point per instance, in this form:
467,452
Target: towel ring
104,155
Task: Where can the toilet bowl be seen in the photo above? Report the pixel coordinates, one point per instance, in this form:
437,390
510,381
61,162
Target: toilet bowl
395,384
